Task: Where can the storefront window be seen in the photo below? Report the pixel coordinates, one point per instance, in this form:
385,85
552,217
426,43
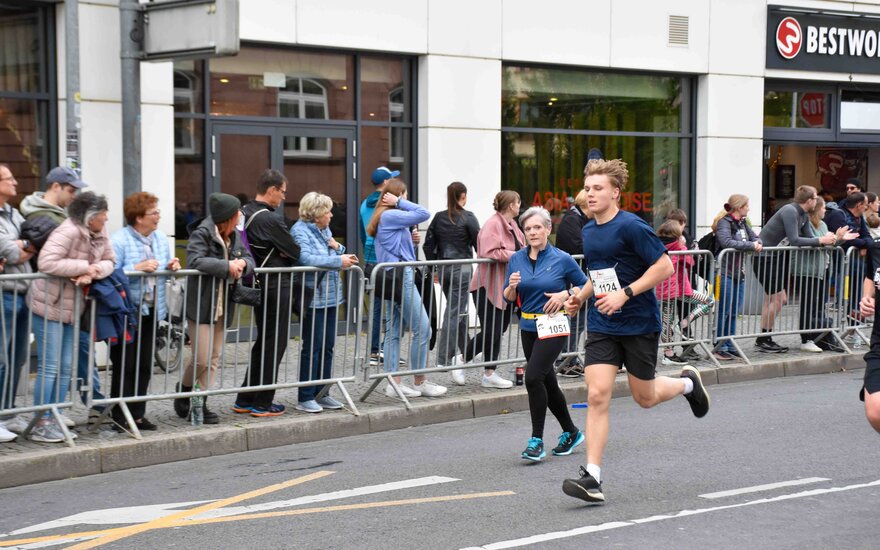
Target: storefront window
27,103
383,89
784,109
283,83
547,168
189,174
860,111
588,100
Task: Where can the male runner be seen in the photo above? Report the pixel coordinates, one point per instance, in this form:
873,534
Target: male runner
870,392
626,260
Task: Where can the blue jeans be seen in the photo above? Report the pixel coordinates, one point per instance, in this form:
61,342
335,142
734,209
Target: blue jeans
84,366
15,346
376,311
730,301
54,359
316,357
410,315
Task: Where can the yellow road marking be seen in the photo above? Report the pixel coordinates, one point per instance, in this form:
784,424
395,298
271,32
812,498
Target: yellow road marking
341,507
182,522
166,521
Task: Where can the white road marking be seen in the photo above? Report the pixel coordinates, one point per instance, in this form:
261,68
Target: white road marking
535,539
111,516
336,495
766,487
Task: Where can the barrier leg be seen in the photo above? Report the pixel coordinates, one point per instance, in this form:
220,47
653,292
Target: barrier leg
348,399
68,438
96,424
132,428
739,350
372,387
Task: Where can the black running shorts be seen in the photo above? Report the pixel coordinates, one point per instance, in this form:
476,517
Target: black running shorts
771,268
638,353
872,374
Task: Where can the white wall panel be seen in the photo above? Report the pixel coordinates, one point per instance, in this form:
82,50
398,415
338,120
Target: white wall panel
726,166
737,37
99,52
157,168
268,20
566,32
465,28
392,25
102,154
460,92
730,106
639,35
472,157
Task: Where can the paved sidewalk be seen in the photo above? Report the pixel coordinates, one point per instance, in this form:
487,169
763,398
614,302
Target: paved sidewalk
25,462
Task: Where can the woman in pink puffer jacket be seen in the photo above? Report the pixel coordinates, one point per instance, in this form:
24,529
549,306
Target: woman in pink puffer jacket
77,252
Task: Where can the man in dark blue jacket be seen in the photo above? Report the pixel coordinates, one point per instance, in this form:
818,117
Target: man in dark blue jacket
850,215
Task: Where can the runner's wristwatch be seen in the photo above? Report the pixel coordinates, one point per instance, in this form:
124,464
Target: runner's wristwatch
628,291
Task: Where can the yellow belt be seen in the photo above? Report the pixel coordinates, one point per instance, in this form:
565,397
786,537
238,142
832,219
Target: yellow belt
533,316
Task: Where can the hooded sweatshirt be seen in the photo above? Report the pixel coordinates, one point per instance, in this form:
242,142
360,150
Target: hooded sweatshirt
366,212
36,205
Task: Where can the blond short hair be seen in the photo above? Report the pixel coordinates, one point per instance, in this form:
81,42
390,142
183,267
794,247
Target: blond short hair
615,169
313,205
580,200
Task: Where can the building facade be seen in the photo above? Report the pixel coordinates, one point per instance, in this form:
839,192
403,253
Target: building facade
702,98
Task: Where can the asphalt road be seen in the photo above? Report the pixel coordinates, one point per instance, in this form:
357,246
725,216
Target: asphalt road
803,465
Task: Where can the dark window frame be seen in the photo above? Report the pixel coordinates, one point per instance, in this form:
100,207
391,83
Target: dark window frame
688,184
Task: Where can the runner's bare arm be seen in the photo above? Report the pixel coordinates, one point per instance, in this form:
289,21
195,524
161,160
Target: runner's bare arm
660,270
866,305
574,303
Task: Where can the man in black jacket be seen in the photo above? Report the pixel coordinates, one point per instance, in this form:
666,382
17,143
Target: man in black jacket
850,215
569,238
271,245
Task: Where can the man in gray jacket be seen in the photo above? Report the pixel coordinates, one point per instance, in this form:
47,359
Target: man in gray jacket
789,226
15,254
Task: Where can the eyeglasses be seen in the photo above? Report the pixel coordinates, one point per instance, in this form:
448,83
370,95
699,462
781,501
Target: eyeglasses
10,178
282,191
851,188
154,213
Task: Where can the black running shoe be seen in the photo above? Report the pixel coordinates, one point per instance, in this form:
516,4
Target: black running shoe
572,369
699,397
586,488
767,345
567,442
535,450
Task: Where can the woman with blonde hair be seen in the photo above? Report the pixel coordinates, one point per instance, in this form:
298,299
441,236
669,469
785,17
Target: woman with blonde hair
732,230
390,227
318,248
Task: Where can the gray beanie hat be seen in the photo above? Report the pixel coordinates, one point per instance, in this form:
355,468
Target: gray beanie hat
222,206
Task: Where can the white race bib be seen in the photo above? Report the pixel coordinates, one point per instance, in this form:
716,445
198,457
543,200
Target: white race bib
604,281
552,326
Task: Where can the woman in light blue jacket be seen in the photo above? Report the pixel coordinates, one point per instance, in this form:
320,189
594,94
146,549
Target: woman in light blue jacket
318,248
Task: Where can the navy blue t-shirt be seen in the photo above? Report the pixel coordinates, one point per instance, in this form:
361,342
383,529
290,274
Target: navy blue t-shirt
629,245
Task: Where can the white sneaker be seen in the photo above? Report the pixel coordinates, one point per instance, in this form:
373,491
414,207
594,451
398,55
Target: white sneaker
47,432
495,381
406,390
810,346
5,435
458,377
16,424
69,422
430,389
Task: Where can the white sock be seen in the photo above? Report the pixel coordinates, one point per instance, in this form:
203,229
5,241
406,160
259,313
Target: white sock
688,385
594,471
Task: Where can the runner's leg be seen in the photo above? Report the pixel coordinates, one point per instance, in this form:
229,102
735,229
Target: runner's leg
600,383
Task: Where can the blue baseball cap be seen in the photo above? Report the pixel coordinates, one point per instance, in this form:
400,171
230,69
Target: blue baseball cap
382,173
63,174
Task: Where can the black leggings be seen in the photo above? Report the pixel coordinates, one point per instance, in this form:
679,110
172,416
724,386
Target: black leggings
541,382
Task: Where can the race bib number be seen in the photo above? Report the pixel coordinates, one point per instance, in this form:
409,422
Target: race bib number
604,281
552,326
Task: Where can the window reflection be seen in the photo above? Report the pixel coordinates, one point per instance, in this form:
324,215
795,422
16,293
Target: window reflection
304,98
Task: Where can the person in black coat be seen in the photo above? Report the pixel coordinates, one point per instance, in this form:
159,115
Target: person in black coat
569,238
452,235
215,248
850,215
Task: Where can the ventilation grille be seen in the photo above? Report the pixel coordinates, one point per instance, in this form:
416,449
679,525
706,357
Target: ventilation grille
678,30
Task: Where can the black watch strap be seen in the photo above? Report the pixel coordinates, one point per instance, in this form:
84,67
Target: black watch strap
628,291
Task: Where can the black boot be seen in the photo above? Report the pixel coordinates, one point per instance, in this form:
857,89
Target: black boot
210,417
181,404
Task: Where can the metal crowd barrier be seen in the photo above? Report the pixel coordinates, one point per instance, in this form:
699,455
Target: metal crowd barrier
780,291
853,325
454,317
173,343
687,307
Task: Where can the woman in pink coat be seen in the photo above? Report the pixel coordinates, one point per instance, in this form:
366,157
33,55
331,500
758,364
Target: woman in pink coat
77,252
499,238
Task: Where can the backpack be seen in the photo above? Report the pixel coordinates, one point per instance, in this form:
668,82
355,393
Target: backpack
707,242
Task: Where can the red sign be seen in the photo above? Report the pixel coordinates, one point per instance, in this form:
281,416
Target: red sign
811,109
789,37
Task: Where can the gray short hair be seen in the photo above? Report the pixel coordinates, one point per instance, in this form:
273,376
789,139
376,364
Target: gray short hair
536,211
313,205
